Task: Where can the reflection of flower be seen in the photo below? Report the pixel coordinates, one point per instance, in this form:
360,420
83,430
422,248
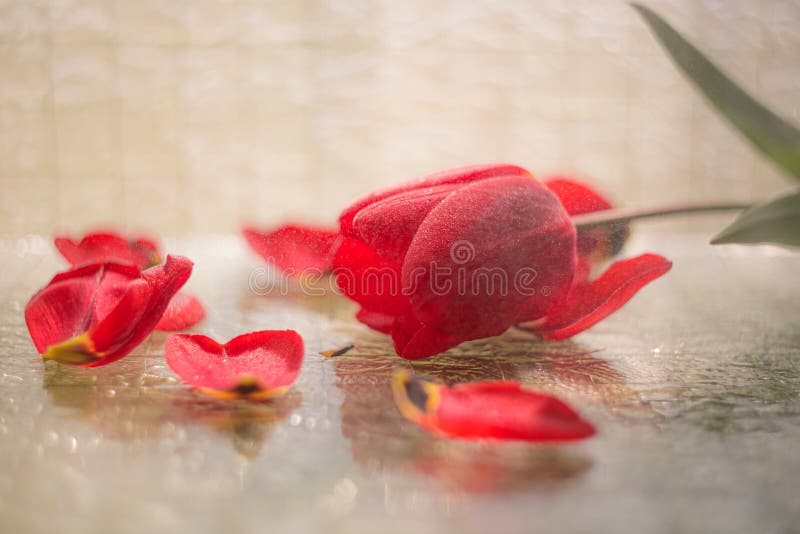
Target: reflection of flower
130,405
380,439
397,259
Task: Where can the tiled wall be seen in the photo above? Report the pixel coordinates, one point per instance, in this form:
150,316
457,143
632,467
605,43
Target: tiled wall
195,116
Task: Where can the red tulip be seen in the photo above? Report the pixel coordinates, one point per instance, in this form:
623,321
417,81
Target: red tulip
108,246
594,244
466,253
96,314
486,410
294,248
257,366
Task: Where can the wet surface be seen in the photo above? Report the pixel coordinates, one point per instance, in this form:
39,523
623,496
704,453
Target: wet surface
694,388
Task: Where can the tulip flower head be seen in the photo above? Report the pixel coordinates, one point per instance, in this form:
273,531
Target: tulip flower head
465,254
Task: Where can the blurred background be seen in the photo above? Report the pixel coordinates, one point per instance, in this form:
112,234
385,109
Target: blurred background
186,117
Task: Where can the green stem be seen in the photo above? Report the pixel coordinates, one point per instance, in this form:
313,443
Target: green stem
616,216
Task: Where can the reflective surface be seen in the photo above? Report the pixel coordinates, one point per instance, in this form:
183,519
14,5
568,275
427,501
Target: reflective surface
693,387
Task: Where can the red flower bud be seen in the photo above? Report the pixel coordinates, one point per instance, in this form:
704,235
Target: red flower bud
466,253
256,366
486,410
96,314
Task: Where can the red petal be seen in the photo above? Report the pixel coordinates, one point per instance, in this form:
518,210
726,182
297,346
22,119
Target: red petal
59,311
294,248
183,311
109,246
369,279
119,323
388,226
101,311
487,410
414,340
495,227
256,365
576,197
376,320
590,302
449,176
164,280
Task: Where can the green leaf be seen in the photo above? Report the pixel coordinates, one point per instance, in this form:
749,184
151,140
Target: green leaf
776,138
775,221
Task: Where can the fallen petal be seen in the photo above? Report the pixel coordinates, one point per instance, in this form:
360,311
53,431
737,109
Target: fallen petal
95,314
486,410
294,248
109,246
183,311
257,366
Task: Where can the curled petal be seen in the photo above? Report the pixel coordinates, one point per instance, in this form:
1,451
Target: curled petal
294,248
591,301
258,365
388,226
460,175
486,410
183,311
108,246
576,197
96,314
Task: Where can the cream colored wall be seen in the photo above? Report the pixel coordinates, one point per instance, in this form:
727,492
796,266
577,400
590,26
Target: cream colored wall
195,116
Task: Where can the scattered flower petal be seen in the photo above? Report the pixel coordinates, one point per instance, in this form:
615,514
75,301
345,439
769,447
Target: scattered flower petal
294,248
184,311
96,314
486,410
257,366
109,246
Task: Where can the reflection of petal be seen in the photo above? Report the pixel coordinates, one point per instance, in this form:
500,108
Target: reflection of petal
247,424
128,404
381,439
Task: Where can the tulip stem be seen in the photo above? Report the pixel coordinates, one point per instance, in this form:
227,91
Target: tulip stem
616,216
